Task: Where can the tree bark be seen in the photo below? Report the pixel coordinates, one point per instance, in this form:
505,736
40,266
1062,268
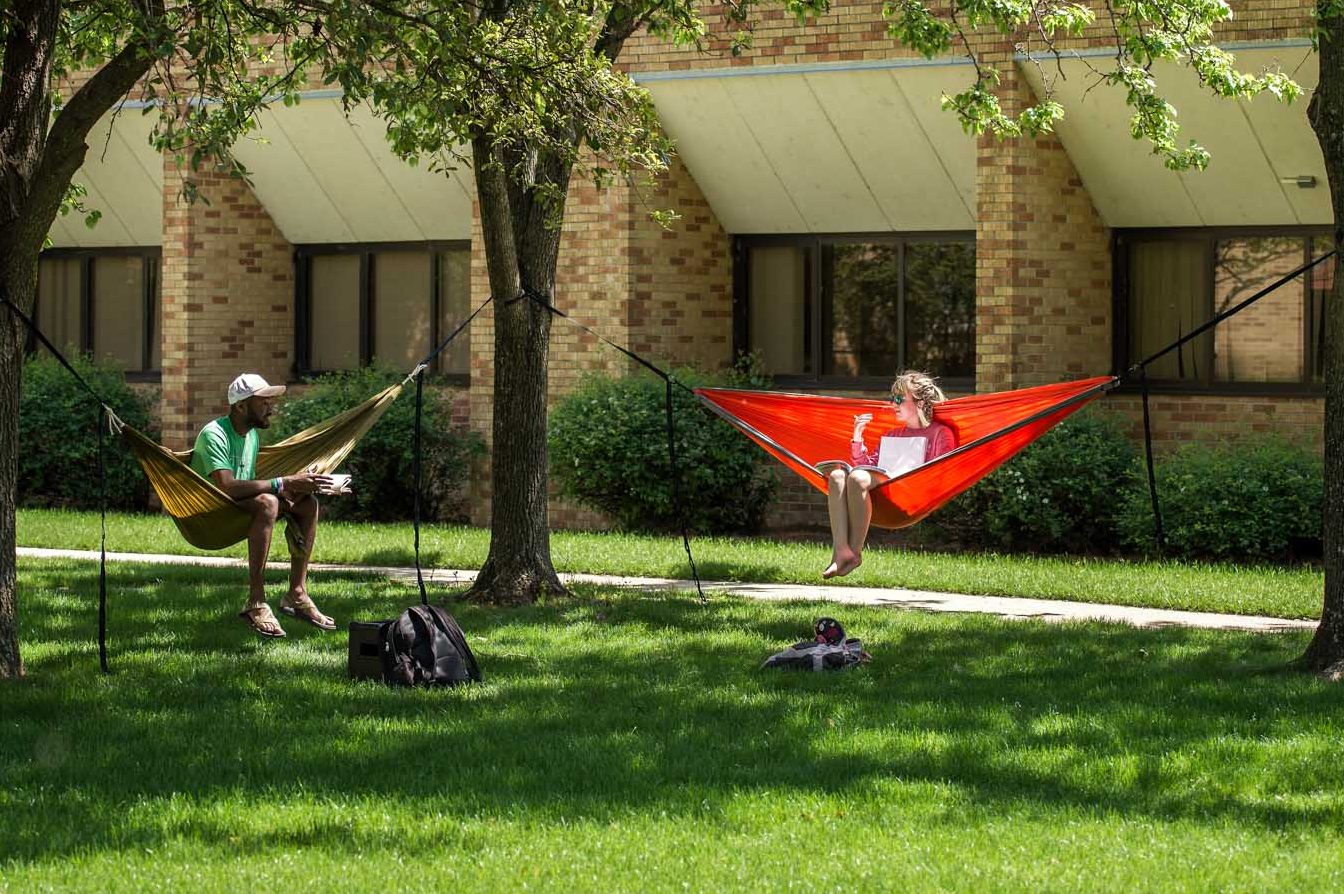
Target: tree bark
25,107
38,158
521,256
1325,655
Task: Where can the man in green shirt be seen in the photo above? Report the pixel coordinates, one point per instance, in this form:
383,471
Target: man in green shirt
226,453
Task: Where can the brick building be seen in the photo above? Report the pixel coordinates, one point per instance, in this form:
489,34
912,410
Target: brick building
833,219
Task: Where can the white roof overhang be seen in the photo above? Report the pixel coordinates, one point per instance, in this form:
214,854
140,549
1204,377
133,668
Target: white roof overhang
1256,145
850,147
123,174
327,177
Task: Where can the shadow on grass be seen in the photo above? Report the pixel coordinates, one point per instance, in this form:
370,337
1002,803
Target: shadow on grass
732,571
402,556
609,704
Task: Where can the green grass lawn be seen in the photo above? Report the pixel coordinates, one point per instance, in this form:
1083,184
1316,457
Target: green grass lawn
627,742
1278,592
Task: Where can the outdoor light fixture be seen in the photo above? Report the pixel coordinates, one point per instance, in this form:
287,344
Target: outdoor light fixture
1304,181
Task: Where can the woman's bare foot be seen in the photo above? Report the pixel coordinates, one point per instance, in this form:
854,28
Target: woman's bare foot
842,563
845,567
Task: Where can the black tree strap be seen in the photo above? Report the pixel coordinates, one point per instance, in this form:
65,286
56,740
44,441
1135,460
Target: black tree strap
676,484
1238,308
32,326
417,461
419,407
669,382
432,355
102,547
1148,455
1140,369
103,411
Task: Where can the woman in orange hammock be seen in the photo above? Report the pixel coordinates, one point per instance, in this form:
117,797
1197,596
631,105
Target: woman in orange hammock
914,395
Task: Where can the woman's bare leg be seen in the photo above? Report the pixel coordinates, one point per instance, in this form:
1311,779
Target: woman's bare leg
839,514
859,515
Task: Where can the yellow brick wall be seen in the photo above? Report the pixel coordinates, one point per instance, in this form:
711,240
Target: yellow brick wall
228,299
1043,261
1214,419
853,31
680,278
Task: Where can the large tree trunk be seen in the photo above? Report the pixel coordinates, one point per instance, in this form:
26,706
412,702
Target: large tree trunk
25,107
38,158
1325,655
11,663
521,256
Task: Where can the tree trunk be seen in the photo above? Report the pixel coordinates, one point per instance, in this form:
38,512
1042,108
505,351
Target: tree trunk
520,255
1325,655
38,158
11,663
25,107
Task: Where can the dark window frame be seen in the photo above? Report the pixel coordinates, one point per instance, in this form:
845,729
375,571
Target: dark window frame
303,299
151,259
817,324
1121,239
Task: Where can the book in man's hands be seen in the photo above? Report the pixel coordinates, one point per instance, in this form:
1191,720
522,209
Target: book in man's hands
340,484
895,456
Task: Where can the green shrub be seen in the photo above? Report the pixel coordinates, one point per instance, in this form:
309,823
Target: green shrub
1247,501
382,462
58,443
608,443
1061,494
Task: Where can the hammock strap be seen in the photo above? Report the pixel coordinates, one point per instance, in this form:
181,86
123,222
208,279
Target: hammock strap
668,382
1141,370
1148,455
102,546
419,406
1238,308
103,408
676,483
433,355
46,343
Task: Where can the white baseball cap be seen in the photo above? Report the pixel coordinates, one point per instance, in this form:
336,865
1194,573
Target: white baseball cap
252,385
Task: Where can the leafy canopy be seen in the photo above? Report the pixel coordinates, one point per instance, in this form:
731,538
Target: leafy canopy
1142,33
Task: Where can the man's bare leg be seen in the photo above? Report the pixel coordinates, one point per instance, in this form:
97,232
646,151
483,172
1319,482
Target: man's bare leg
859,506
264,509
305,512
838,511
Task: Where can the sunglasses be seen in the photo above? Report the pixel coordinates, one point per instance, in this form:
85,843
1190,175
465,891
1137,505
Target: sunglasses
898,399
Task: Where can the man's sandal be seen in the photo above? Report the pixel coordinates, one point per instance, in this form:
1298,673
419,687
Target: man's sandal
261,619
303,609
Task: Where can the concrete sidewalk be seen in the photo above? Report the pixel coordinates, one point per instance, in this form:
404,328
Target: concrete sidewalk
1003,606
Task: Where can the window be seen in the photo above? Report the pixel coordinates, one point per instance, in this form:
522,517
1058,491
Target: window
1170,282
389,304
857,310
105,303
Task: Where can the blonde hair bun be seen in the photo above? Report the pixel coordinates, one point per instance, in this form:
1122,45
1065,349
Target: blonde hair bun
923,389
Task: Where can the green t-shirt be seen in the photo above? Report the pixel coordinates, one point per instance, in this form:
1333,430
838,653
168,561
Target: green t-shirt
218,446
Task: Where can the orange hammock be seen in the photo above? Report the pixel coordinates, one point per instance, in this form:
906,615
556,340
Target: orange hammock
802,430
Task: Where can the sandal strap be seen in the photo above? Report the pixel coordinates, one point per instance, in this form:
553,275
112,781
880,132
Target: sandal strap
261,613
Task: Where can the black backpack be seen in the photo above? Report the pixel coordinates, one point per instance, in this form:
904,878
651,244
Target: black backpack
425,647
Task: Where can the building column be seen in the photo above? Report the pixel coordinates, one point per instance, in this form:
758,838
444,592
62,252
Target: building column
1043,259
228,298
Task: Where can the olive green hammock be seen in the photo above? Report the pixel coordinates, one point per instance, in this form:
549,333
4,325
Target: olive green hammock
207,517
